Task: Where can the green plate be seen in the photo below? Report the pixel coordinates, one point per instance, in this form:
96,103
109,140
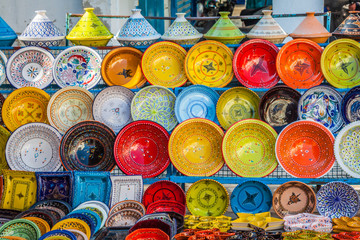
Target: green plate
207,197
20,228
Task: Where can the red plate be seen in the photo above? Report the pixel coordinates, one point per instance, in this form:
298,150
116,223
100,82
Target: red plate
163,190
166,206
141,148
148,233
254,64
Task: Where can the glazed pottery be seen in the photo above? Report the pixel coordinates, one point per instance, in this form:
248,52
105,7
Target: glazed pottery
41,32
137,31
125,188
89,31
58,233
41,223
163,190
181,31
350,105
7,35
3,61
73,223
166,206
123,218
307,221
94,217
152,233
267,28
350,27
95,207
4,136
128,204
87,219
225,31
21,228
54,185
310,28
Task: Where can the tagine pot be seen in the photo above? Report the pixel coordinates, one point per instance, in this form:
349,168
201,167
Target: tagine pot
350,27
7,35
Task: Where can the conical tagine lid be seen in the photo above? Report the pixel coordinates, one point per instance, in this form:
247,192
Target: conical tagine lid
224,28
6,32
181,29
309,28
350,27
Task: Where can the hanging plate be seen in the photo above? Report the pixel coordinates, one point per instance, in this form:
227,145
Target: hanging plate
73,223
96,208
123,218
92,215
166,206
41,223
3,60
126,188
57,233
40,213
350,105
84,218
20,228
128,204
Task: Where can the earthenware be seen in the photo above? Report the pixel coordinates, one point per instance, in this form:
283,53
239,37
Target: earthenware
126,188
21,228
163,190
3,61
349,28
128,204
8,36
73,223
54,185
55,233
123,218
350,105
153,233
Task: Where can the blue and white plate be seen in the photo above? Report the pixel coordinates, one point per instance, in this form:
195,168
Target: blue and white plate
251,197
93,215
3,61
337,199
350,105
196,101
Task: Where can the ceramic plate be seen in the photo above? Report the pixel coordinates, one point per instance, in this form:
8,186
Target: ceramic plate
298,64
34,147
337,199
128,204
163,190
123,218
20,228
164,217
40,213
340,63
141,149
251,197
254,64
112,106
293,198
2,100
248,148
126,188
350,105
152,233
100,204
163,64
84,218
305,149
207,197
4,136
121,67
196,101
92,215
236,104
209,63
78,234
43,226
56,233
77,66
323,105
88,146
54,185
95,208
166,206
155,103
58,206
3,60
73,223
69,106
195,147
25,105
30,67
152,223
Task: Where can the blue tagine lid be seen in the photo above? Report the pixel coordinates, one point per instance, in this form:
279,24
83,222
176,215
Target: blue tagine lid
7,35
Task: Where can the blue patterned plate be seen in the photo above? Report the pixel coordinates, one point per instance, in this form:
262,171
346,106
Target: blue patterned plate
93,215
251,197
54,185
96,209
3,61
337,199
322,104
92,224
196,101
350,105
53,233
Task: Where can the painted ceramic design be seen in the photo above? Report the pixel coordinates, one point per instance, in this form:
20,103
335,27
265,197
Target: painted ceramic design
163,64
155,103
137,31
41,32
236,104
123,218
77,66
30,67
349,28
2,100
95,207
84,218
25,105
164,217
40,213
92,215
126,188
153,233
350,105
128,204
141,148
121,66
305,149
22,228
307,221
87,146
56,185
73,223
41,223
249,148
58,233
89,31
4,136
337,199
34,147
209,63
322,104
195,147
3,61
166,206
181,31
163,190
340,63
293,198
100,204
8,36
298,64
112,106
59,206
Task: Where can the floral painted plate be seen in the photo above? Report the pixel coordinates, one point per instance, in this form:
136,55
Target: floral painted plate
292,198
236,104
195,147
121,67
4,136
20,228
141,148
152,233
350,105
54,185
305,149
166,206
254,64
77,66
123,218
88,146
249,148
3,60
337,199
322,104
112,106
155,103
58,233
128,204
209,63
163,64
73,223
124,188
30,67
207,197
340,63
69,106
34,147
298,64
25,105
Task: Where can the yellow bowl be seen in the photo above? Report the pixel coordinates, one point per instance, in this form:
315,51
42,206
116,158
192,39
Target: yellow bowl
95,42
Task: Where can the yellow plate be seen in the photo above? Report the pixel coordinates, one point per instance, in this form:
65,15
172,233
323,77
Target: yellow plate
163,64
4,136
73,223
57,238
209,63
41,223
25,105
195,147
236,104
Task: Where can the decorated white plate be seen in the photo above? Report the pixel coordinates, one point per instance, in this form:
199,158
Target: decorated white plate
95,208
126,188
3,60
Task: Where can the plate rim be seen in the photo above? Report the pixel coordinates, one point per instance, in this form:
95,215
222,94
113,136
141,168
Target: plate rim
4,58
348,95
